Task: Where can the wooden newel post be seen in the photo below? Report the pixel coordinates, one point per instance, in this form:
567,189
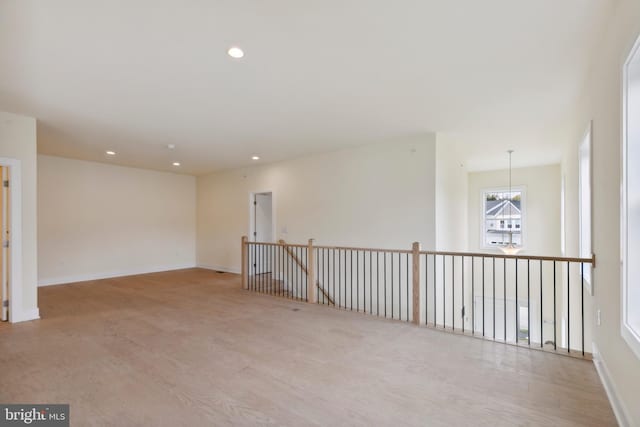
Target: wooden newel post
245,264
415,255
312,295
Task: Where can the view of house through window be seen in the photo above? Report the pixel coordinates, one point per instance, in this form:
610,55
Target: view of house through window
503,214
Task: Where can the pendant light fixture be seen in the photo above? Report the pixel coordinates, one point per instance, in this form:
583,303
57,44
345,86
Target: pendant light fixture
510,248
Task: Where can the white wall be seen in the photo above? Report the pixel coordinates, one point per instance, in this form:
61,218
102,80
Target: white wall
541,226
601,102
542,206
375,196
18,141
451,196
97,220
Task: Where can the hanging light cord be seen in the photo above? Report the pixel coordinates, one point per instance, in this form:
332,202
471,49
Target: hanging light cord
510,203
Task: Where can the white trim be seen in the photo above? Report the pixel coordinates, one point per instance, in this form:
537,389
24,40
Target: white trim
586,144
630,336
26,315
523,214
17,313
108,275
609,386
220,268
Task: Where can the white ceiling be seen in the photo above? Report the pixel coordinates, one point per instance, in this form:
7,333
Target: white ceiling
136,75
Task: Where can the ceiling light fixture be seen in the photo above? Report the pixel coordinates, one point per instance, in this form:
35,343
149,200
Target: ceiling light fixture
111,153
255,158
176,163
235,52
171,146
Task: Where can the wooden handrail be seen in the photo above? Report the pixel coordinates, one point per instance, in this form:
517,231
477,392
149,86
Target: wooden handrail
276,244
350,248
304,268
419,282
591,260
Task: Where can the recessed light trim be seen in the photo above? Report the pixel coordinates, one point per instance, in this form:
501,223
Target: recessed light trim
176,163
235,52
110,153
255,158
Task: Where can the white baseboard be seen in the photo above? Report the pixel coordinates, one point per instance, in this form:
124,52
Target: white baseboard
609,386
220,268
26,315
109,275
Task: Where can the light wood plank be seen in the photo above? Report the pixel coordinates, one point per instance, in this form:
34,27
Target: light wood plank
192,348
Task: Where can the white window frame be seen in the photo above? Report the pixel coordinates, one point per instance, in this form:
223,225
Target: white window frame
523,209
586,230
631,336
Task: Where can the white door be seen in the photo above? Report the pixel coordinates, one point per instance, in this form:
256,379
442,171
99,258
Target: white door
263,232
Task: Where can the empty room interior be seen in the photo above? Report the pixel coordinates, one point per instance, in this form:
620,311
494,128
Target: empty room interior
294,213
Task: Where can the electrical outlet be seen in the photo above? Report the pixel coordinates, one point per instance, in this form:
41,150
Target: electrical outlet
598,320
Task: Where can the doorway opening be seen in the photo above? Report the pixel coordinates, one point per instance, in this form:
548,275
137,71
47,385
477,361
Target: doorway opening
262,221
261,227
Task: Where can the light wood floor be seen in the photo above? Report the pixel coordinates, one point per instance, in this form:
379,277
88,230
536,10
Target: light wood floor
190,348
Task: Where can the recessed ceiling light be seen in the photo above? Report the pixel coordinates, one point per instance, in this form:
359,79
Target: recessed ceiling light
171,146
111,153
176,163
255,158
235,52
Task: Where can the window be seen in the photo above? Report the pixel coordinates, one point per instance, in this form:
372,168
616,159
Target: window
630,216
502,217
584,195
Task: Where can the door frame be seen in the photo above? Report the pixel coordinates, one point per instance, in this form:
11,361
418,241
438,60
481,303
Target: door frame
252,214
15,233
